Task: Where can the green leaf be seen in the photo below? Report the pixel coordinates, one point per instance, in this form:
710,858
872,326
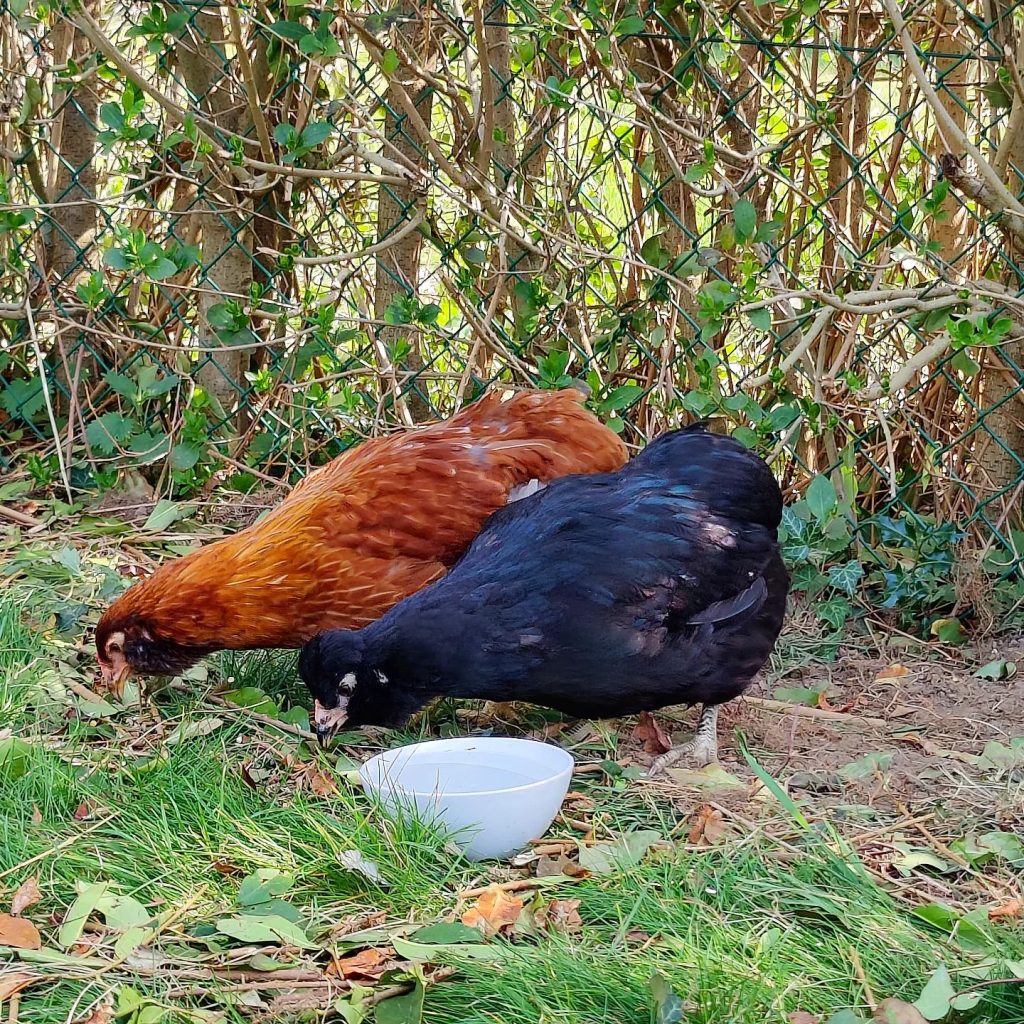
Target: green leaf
620,854
112,116
933,1002
289,30
252,698
165,513
668,1007
1005,845
190,730
80,912
761,318
316,132
265,928
14,757
103,434
447,934
122,384
428,952
845,1017
631,26
622,397
805,695
184,456
70,559
160,269
115,259
998,669
846,577
821,498
389,62
262,886
122,912
866,766
405,1009
745,218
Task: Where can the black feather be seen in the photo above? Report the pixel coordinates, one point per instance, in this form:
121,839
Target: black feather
599,596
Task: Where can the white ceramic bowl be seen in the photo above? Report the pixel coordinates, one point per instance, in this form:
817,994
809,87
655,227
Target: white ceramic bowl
493,795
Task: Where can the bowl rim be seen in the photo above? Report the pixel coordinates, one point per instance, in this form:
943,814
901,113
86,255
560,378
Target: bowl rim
398,789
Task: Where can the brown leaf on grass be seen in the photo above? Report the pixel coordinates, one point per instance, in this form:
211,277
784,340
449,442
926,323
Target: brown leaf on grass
223,866
84,811
368,964
27,894
12,984
1010,909
321,783
708,826
101,1013
802,1017
493,911
550,867
653,737
559,916
894,671
37,815
895,1011
17,932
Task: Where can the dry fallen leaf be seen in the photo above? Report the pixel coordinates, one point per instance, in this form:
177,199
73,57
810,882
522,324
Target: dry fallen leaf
493,911
223,866
27,894
894,671
1010,909
12,984
17,932
895,1011
840,709
550,867
102,1012
84,811
369,964
653,737
321,783
37,815
560,916
708,826
802,1017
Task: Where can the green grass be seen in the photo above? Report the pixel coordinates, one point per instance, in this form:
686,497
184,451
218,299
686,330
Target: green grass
746,932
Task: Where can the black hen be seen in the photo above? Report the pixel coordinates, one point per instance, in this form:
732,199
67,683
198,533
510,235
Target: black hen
600,596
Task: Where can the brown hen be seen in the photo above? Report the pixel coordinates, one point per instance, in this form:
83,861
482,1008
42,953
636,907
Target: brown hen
354,537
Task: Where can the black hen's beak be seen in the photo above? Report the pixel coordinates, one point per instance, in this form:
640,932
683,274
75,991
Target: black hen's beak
327,721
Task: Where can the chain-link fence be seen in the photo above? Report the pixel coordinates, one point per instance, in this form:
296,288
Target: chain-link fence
237,237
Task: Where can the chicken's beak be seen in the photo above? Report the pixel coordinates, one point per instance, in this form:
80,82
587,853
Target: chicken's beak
327,721
114,677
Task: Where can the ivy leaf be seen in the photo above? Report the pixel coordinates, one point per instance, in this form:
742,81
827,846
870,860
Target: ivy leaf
846,577
389,62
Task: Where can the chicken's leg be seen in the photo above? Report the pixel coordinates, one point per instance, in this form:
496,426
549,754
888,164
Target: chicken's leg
703,748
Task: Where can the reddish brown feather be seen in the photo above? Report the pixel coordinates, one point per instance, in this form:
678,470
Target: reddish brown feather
373,526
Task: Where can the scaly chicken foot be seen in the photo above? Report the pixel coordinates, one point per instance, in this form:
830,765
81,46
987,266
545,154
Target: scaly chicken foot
703,748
